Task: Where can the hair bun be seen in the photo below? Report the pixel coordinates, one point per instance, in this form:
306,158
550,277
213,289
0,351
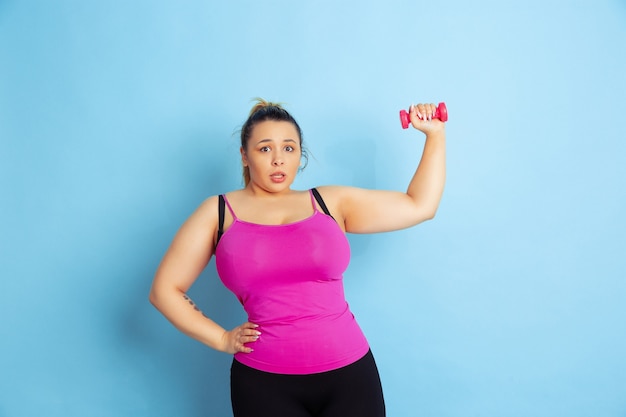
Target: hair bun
261,104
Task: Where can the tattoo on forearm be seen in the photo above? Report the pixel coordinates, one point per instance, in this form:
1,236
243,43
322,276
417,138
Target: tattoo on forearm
191,303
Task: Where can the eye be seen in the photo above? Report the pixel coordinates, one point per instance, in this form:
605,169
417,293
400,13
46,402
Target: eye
265,149
289,148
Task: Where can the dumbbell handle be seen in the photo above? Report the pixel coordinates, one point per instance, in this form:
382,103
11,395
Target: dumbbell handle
441,113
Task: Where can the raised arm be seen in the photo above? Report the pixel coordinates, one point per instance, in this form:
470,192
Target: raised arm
183,262
370,211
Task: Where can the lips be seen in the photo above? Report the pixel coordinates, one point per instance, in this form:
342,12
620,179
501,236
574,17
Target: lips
278,176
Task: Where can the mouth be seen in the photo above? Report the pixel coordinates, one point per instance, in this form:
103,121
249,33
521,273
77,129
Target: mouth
278,176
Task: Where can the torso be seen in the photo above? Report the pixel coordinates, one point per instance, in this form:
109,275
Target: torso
286,269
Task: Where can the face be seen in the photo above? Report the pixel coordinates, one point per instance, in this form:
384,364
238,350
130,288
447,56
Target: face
273,155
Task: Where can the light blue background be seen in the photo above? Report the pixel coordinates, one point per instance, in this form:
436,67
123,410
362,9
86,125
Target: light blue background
118,118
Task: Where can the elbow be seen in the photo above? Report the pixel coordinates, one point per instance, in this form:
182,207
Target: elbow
427,217
424,210
428,213
431,210
153,298
431,215
161,295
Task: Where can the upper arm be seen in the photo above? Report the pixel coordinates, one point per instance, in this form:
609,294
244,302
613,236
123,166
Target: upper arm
372,211
190,250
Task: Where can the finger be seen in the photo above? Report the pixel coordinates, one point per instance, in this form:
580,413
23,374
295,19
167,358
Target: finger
243,338
241,347
248,339
414,115
246,330
428,112
252,332
432,111
420,111
247,334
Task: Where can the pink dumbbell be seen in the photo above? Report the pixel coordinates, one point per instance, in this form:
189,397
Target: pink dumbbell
441,113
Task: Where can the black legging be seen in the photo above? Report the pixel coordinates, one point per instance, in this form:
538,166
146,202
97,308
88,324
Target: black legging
351,391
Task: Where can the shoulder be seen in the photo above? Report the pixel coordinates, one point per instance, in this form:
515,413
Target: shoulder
211,203
332,190
209,208
208,205
206,213
338,193
337,198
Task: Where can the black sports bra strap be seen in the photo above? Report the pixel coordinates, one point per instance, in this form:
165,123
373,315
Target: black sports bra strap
320,201
221,210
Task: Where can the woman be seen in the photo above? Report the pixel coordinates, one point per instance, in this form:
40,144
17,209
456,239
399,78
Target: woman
283,252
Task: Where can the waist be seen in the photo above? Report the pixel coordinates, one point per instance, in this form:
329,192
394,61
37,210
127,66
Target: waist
308,345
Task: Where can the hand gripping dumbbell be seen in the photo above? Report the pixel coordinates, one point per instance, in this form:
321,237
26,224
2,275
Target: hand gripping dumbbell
441,113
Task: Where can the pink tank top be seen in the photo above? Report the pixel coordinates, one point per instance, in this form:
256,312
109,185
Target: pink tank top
289,280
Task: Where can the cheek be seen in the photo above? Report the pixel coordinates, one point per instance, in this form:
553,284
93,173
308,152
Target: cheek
295,159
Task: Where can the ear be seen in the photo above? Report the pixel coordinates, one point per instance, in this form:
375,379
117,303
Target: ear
244,158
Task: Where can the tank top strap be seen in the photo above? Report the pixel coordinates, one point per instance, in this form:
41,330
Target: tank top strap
232,212
316,195
313,200
223,201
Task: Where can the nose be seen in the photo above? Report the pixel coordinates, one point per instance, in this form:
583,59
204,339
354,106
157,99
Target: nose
277,160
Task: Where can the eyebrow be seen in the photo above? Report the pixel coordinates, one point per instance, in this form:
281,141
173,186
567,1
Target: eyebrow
272,140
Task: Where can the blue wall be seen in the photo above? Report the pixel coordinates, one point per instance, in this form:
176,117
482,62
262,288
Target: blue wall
117,120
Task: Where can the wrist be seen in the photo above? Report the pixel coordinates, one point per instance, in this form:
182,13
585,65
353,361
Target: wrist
223,343
439,135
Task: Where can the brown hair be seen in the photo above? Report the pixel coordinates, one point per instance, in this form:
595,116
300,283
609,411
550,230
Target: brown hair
261,112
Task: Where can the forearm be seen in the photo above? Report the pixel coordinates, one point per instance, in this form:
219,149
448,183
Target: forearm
182,312
426,186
